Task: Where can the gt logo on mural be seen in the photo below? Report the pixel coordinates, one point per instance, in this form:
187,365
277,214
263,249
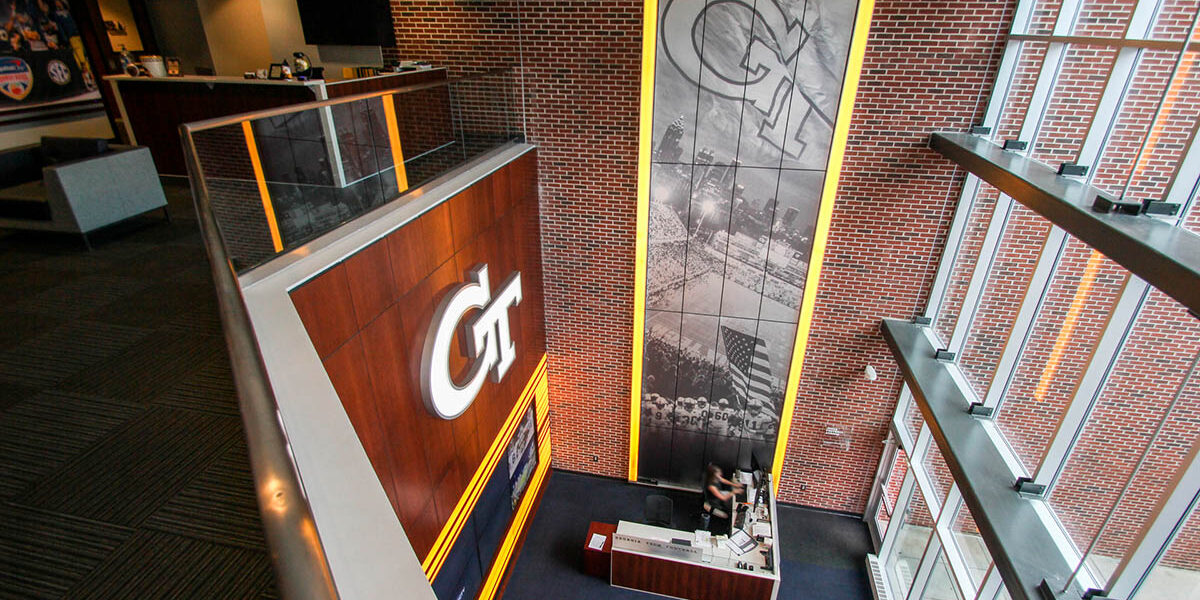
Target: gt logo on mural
490,347
775,38
16,79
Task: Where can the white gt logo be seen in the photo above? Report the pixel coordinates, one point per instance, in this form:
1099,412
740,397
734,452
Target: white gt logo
489,342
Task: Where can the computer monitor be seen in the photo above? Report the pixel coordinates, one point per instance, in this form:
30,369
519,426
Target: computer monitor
760,463
760,460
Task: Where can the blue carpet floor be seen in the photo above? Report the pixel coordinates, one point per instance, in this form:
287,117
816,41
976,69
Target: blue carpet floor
823,553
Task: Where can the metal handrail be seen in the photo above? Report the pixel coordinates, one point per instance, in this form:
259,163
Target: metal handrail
215,122
301,566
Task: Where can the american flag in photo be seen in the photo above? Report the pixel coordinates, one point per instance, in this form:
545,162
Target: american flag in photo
749,364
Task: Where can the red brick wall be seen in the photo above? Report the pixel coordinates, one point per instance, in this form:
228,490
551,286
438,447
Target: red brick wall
581,68
928,67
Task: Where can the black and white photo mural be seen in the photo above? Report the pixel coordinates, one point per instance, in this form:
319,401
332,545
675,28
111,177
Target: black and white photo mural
745,100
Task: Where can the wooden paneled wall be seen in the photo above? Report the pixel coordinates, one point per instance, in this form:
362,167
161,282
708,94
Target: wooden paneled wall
367,318
685,580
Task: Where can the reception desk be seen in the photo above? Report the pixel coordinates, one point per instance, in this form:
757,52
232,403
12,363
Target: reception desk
681,564
153,108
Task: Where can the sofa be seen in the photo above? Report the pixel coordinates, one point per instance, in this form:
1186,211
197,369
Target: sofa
76,185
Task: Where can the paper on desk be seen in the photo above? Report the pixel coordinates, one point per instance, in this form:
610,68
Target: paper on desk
597,542
733,548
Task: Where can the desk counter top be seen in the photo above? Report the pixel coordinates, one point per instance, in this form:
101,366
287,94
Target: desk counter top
711,559
243,80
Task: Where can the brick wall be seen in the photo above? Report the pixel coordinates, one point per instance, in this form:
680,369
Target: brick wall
581,70
580,64
928,67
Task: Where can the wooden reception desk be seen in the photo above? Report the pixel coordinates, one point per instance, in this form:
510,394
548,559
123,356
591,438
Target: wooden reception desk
153,108
675,563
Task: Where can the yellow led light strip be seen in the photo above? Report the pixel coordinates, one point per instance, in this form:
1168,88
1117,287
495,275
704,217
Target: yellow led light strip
462,511
841,132
466,503
504,555
1070,322
649,49
263,193
389,116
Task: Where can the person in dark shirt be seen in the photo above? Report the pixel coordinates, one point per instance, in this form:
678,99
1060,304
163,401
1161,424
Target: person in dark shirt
718,501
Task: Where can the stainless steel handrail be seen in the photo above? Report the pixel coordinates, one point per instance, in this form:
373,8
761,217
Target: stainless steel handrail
292,108
301,567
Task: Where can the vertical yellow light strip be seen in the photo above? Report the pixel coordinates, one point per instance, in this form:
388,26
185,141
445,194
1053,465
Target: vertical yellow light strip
1159,127
389,116
645,131
1070,322
504,556
268,208
534,390
841,131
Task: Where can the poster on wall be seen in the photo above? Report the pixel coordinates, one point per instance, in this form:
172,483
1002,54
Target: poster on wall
41,54
745,99
522,457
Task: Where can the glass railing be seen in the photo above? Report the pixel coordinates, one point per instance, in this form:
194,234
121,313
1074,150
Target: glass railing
267,182
279,178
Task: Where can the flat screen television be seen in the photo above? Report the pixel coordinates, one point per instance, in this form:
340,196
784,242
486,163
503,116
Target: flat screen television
347,22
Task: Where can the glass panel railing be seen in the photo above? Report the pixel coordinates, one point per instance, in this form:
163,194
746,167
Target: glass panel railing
939,475
1079,81
1128,134
1102,18
279,178
891,492
969,545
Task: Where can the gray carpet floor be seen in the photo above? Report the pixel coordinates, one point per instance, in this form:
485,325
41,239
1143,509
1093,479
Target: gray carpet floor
123,472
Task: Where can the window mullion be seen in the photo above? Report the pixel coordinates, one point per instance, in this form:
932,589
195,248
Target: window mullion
954,557
925,568
893,532
906,440
1170,516
992,584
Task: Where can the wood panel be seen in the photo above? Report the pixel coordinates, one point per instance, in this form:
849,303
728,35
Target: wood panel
684,580
156,108
327,329
430,460
372,289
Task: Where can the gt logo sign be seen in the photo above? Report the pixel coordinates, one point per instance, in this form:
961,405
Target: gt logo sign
489,342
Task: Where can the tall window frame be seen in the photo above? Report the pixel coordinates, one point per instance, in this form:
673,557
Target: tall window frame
1053,28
